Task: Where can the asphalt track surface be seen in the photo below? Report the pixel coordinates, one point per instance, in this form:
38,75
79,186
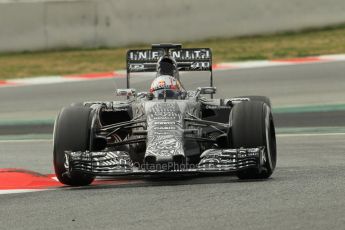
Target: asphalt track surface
305,192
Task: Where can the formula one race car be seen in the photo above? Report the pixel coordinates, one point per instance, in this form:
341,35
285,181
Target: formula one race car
166,130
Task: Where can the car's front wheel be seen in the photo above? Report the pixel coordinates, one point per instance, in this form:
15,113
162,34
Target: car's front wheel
252,126
71,133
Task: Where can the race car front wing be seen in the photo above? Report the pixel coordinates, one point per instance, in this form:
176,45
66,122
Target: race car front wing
117,163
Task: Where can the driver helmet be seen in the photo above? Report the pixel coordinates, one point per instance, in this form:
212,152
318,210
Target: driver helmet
166,86
167,65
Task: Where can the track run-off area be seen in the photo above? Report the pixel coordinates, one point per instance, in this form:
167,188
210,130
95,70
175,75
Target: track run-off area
305,192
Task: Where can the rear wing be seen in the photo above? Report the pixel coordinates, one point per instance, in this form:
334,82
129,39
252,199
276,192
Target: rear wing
145,60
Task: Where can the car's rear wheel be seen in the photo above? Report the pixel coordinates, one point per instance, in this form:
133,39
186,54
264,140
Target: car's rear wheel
71,133
252,126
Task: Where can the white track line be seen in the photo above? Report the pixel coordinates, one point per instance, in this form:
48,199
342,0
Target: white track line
309,134
26,141
15,191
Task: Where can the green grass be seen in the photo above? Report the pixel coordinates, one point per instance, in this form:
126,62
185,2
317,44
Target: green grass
329,40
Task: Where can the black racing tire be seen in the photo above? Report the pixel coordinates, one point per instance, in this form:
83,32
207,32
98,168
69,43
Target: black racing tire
71,132
252,126
259,98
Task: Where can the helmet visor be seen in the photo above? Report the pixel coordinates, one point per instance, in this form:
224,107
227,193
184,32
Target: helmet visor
170,94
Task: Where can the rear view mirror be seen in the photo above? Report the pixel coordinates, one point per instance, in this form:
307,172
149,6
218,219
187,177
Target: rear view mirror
142,94
207,90
125,92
